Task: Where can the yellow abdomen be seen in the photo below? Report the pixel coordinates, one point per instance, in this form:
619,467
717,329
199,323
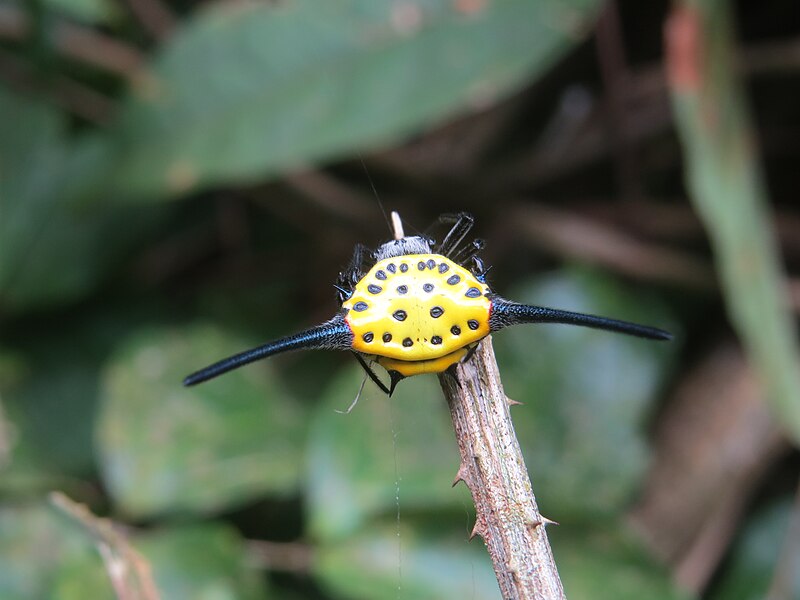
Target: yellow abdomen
418,308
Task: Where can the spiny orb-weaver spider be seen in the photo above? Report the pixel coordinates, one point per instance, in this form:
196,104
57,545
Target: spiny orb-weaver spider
414,306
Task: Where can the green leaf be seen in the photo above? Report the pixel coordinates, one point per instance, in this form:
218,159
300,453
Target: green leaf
587,394
283,85
769,542
167,448
380,565
88,11
43,556
52,412
50,394
387,450
52,407
51,391
599,565
51,250
728,191
201,561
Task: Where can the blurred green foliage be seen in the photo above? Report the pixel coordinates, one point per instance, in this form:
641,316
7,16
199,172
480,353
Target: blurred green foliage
724,176
283,86
99,325
756,555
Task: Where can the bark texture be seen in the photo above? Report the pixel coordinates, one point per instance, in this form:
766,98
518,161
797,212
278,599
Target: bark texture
493,468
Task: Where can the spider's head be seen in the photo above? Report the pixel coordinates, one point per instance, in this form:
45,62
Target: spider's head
414,244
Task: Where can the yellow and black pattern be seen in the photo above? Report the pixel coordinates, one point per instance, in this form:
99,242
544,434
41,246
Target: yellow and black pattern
416,309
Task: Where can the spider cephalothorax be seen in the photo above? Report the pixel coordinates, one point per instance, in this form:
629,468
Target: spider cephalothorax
418,308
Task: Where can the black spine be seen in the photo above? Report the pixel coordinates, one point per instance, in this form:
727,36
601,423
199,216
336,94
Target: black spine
333,335
505,313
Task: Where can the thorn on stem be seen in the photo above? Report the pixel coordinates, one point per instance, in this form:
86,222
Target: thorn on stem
543,521
461,475
478,529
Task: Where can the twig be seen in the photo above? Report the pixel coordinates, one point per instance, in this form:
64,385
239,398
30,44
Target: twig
67,93
290,557
648,115
77,42
154,16
129,572
588,240
494,470
615,74
332,195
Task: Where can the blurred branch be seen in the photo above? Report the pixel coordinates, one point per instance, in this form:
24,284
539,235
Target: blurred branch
70,95
782,585
615,73
333,196
129,572
76,42
453,149
560,232
154,16
290,557
725,184
771,57
647,114
493,468
713,445
573,236
675,220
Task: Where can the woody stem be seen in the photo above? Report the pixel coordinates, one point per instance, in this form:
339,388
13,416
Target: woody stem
493,468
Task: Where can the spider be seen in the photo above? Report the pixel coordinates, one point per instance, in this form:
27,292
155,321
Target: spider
416,306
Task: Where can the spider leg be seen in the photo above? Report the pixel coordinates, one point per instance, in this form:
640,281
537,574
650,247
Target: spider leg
470,352
468,252
451,370
396,378
373,376
355,400
479,269
352,274
462,224
342,293
451,373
